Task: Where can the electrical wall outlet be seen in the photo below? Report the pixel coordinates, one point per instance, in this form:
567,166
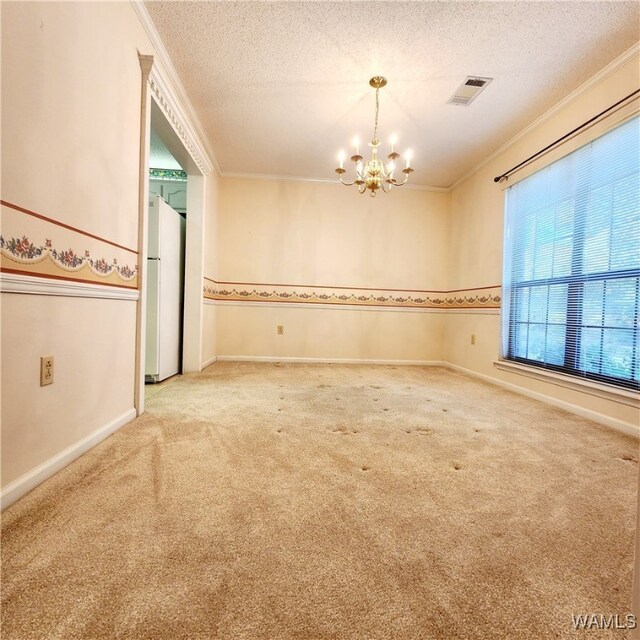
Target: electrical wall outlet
473,338
280,329
46,370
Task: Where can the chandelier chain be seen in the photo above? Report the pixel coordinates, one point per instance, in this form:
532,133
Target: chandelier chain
375,128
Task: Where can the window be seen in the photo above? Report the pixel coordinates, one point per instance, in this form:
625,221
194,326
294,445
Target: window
572,262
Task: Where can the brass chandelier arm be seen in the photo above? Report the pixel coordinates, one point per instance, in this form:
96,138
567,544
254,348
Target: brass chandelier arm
395,183
359,180
340,171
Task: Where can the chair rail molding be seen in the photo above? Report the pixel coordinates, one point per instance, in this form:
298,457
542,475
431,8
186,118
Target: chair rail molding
18,283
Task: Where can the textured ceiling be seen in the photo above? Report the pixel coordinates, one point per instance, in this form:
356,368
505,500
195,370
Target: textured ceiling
281,87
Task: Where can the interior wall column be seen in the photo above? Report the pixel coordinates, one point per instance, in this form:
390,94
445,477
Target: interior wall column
194,274
146,63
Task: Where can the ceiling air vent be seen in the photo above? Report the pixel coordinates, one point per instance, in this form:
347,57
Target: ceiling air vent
468,90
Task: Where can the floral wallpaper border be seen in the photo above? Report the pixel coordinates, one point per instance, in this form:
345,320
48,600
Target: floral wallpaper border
473,298
27,255
33,245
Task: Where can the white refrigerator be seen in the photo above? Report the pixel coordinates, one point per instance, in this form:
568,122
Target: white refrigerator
165,290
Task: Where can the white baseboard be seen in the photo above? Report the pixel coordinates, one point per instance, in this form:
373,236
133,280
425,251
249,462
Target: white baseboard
600,418
30,480
293,359
206,363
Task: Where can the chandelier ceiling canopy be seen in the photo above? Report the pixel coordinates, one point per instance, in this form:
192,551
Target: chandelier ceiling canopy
375,174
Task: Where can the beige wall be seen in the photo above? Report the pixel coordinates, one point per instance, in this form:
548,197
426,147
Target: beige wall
325,234
325,238
476,235
93,344
71,113
209,312
70,152
329,334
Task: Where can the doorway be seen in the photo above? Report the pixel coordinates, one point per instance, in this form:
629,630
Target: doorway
166,230
158,107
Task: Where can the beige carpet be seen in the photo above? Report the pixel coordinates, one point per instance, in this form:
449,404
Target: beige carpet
328,501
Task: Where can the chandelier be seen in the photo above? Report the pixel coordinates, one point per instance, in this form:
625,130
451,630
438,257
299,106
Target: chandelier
375,174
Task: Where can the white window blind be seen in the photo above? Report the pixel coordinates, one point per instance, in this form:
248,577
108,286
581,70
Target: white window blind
572,262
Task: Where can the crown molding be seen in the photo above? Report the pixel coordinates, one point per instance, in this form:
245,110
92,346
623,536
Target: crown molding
268,176
172,97
426,187
605,72
164,97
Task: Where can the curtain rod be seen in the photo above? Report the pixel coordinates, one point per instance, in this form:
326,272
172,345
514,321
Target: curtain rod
506,174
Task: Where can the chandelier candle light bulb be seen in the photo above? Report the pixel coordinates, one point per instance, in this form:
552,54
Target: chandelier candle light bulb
374,175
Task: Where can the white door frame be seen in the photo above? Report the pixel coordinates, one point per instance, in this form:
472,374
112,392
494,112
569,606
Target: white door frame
186,146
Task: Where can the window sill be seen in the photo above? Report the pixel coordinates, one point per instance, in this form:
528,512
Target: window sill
605,391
